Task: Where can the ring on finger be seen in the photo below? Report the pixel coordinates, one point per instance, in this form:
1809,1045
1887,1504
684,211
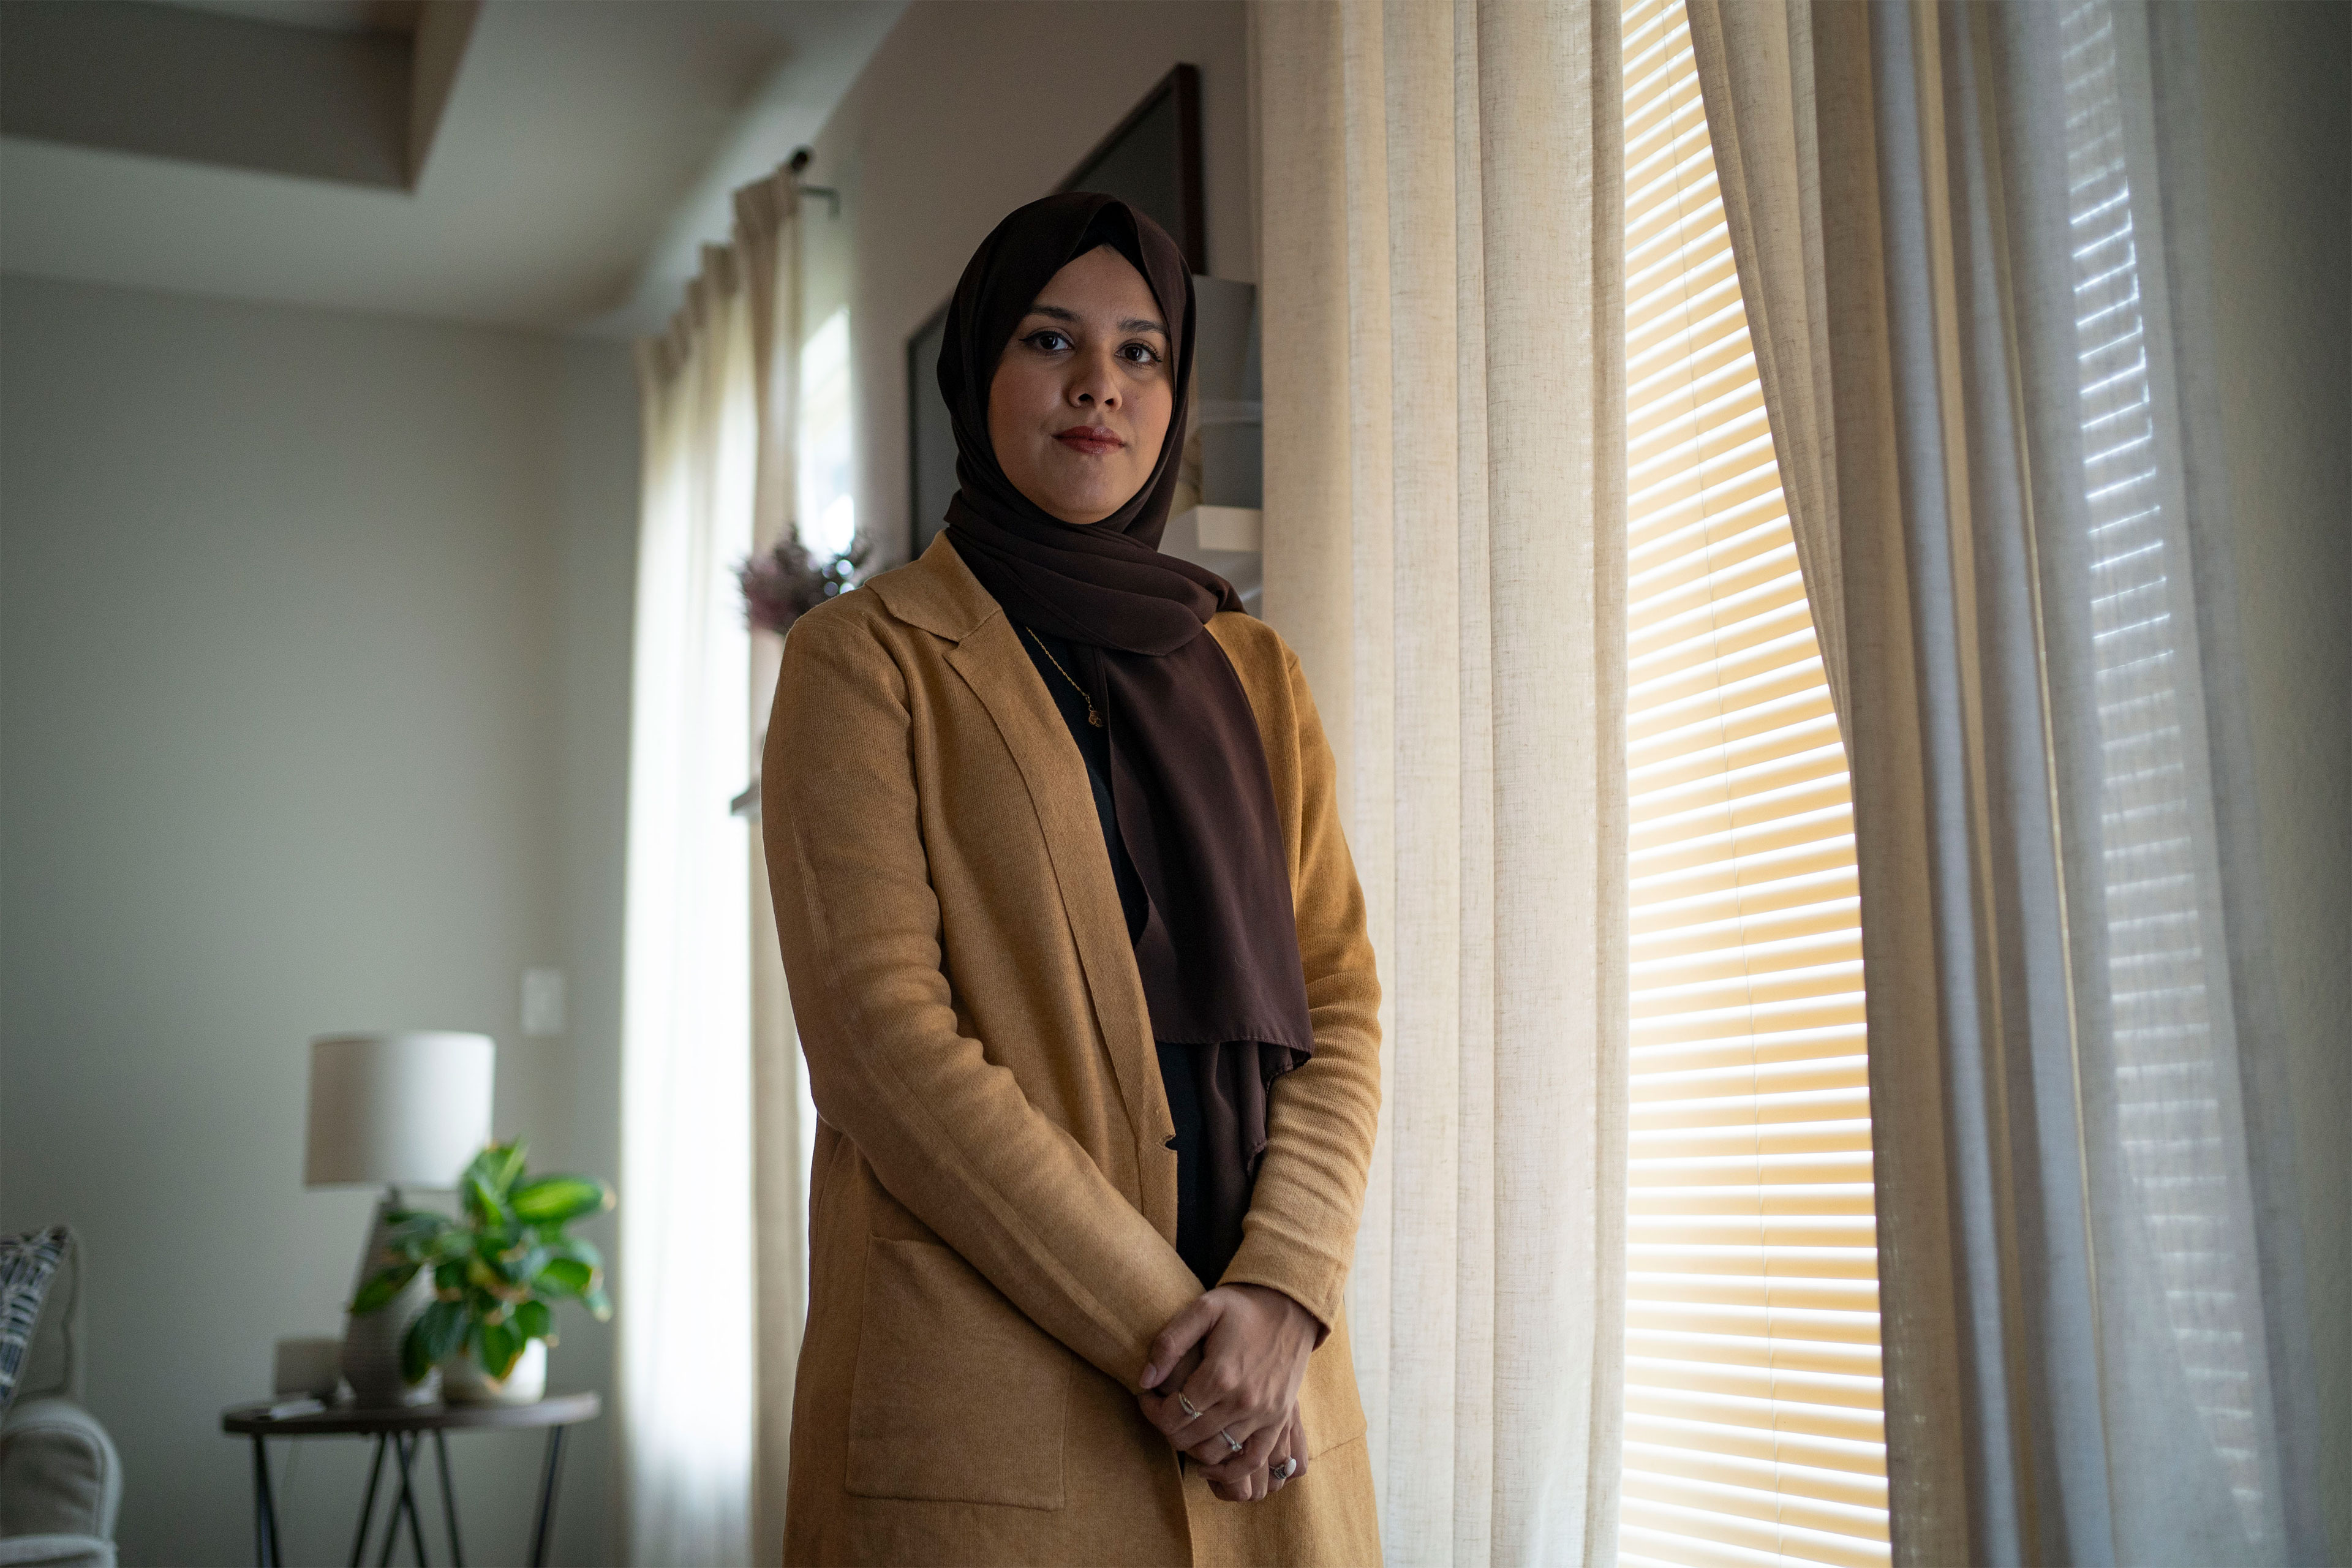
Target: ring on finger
1231,1447
1186,1406
1285,1470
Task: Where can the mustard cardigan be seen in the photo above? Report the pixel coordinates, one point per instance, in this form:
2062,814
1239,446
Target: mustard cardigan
992,1211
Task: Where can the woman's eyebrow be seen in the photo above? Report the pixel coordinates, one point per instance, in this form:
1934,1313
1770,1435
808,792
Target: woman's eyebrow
1133,324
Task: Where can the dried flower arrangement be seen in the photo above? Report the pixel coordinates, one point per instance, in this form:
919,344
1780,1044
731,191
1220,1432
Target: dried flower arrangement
785,583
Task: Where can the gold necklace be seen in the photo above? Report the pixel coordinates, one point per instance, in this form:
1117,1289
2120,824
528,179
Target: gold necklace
1092,716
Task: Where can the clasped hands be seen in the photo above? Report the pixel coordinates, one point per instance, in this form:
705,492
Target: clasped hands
1230,1365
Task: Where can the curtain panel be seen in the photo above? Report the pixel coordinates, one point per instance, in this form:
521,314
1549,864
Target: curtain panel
1441,241
712,1270
684,1271
767,228
1972,241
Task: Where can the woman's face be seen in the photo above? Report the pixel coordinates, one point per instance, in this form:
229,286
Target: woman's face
1084,392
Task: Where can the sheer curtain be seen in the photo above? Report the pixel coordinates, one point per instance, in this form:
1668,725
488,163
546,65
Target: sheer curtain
1441,245
783,1121
685,1269
712,1271
1971,238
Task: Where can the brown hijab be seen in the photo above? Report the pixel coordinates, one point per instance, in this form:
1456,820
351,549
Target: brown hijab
1219,948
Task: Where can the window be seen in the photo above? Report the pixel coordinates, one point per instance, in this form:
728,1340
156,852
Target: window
828,507
1754,1425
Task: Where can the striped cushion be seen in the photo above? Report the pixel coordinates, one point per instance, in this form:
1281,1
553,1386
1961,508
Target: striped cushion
28,1263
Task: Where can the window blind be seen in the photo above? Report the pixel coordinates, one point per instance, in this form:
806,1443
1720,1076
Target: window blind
1754,1427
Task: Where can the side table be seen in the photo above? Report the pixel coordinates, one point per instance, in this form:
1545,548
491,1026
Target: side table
403,1431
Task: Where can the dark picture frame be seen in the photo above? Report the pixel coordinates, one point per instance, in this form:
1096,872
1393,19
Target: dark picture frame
1152,158
1125,157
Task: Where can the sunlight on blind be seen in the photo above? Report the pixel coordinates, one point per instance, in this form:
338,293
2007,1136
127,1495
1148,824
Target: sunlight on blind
1754,1430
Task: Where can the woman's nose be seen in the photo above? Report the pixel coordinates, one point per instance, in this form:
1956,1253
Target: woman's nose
1095,385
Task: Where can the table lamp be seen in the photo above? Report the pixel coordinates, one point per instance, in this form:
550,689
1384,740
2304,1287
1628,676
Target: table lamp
407,1110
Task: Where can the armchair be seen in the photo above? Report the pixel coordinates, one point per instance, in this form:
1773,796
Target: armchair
60,1477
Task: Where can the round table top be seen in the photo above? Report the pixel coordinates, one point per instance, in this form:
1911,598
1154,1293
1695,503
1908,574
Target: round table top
555,1410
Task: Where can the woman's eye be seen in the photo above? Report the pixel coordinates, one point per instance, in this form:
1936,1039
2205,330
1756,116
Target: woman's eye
1141,353
1050,342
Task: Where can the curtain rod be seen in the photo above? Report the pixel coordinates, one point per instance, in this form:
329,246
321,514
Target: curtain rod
801,157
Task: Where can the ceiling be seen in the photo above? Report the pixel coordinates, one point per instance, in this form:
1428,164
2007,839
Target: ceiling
583,152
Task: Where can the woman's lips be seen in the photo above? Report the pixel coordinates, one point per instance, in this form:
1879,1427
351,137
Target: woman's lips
1092,440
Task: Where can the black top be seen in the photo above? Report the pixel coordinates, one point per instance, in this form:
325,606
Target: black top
1176,1065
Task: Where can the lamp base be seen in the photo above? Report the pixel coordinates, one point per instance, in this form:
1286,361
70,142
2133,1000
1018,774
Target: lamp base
370,1355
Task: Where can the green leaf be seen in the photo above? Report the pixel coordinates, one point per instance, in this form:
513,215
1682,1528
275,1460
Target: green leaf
415,1234
499,1344
533,1320
528,1266
500,1257
564,1276
450,1321
450,1278
586,1251
554,1200
505,1168
599,1305
414,1363
482,1200
438,1331
478,1169
382,1288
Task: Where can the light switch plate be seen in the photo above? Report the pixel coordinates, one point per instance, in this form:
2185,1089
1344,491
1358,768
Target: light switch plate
542,1003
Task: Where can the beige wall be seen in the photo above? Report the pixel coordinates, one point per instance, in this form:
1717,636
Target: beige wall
2277,120
313,687
964,113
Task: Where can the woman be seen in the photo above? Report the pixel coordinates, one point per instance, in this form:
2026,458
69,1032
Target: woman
1078,960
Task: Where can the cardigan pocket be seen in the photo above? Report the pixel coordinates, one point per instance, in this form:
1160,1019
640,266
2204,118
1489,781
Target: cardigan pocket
956,1397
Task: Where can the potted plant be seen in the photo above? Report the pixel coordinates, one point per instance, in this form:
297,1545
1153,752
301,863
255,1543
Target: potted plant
497,1269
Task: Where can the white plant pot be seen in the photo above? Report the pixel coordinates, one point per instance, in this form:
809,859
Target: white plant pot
463,1381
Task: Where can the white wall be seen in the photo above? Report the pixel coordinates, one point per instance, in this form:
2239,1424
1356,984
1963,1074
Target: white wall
965,112
2277,120
313,686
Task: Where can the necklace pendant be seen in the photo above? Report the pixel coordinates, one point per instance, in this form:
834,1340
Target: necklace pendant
1094,718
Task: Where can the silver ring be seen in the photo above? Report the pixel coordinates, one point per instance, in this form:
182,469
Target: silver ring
1289,1469
1186,1406
1230,1444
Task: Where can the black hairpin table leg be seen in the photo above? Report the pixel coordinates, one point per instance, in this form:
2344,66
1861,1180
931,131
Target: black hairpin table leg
448,1496
367,1507
547,1495
408,1498
404,1448
265,1508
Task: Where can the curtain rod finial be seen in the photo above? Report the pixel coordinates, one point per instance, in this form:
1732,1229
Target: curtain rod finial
800,161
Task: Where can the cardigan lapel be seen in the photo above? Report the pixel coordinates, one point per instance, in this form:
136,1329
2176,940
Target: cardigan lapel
938,592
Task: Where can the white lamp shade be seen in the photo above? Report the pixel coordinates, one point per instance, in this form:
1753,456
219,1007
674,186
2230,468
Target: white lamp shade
398,1110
